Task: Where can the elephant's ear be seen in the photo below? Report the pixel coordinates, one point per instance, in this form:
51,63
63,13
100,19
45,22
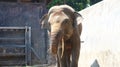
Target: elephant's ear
44,22
78,19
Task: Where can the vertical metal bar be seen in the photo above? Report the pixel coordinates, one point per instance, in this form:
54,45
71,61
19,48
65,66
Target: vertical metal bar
26,45
29,45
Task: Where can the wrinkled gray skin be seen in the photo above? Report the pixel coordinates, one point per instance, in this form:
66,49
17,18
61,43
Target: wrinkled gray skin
64,25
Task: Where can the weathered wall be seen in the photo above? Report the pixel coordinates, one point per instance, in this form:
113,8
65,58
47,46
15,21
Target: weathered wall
101,35
20,15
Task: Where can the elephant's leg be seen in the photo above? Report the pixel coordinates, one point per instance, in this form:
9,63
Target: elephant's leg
68,60
58,61
75,56
68,54
62,60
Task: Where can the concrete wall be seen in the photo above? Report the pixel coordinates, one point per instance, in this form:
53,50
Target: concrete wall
101,35
27,14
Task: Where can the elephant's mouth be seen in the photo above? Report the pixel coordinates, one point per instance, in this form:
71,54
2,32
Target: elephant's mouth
67,36
59,44
57,41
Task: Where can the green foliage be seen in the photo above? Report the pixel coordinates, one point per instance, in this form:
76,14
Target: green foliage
55,2
76,4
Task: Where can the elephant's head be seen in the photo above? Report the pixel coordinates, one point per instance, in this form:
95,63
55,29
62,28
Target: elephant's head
61,22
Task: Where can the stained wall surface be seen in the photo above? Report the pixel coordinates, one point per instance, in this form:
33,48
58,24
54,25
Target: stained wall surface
27,14
101,35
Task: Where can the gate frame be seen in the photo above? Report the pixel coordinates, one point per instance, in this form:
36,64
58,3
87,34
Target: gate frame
27,40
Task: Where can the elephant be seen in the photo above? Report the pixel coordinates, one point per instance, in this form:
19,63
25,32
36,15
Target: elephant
64,28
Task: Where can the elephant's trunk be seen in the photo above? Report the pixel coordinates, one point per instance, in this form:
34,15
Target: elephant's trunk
53,44
55,40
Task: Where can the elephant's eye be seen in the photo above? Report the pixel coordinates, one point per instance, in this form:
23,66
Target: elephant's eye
65,21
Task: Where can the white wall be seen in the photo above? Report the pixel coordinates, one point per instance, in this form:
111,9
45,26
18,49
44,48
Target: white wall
101,35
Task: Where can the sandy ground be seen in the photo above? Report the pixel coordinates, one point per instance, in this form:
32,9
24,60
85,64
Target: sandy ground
106,58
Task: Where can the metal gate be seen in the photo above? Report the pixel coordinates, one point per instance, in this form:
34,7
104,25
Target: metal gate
15,43
20,15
